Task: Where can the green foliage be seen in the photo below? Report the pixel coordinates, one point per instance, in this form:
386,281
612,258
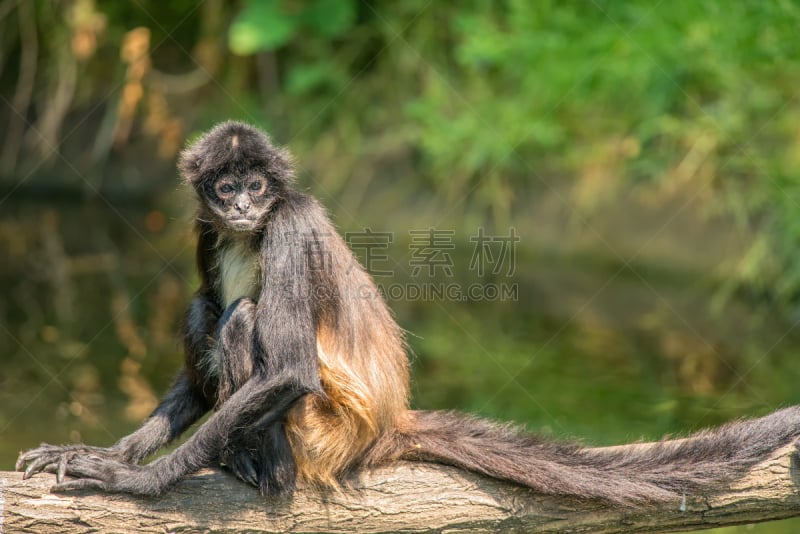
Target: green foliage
480,103
264,25
261,25
498,98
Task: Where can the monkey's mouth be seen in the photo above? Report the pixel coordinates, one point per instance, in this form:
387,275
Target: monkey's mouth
242,223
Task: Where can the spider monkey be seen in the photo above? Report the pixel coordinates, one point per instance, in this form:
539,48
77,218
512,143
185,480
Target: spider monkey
290,344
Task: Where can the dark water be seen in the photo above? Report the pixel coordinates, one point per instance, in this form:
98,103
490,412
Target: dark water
92,295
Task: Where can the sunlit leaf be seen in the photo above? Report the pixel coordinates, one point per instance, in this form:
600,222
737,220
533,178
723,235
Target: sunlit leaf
261,25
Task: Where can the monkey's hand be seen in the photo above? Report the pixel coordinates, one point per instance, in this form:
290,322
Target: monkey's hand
96,472
56,458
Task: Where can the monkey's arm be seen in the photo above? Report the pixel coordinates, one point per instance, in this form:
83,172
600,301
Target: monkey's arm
180,407
259,400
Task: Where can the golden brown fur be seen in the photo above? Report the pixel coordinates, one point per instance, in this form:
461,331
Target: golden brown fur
364,374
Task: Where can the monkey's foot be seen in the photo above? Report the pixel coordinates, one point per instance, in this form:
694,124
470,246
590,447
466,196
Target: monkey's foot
271,476
55,458
242,464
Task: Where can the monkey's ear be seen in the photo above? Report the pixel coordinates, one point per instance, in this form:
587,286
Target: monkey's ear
281,165
190,163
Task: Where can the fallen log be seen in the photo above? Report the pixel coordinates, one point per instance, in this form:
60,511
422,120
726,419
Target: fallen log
407,497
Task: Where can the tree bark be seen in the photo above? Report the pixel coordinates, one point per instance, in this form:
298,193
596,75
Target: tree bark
407,497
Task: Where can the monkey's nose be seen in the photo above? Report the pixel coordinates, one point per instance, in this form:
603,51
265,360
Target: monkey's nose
242,206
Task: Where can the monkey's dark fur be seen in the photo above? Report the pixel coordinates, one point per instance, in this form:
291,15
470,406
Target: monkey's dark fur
291,345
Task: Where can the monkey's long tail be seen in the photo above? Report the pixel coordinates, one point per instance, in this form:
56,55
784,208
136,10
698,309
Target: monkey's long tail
627,475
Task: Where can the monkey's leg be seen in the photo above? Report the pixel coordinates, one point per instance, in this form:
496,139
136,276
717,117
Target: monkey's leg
262,400
180,407
259,455
235,347
236,358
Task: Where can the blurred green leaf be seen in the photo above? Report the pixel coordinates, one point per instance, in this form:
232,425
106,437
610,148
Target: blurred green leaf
329,18
262,25
302,79
269,24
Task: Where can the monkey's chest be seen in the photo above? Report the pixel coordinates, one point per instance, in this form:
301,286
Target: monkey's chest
239,273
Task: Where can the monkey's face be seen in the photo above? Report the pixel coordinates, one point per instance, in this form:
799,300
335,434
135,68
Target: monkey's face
238,175
239,202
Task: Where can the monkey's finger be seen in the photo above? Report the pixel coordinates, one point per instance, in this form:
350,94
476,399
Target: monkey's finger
244,468
37,466
43,450
20,463
29,456
90,468
84,483
250,475
62,467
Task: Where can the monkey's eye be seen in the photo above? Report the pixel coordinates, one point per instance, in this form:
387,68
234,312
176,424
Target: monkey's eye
224,189
257,186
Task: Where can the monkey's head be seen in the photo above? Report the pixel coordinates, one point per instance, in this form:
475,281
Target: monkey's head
238,175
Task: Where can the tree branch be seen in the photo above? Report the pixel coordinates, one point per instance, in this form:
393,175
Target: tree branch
407,497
